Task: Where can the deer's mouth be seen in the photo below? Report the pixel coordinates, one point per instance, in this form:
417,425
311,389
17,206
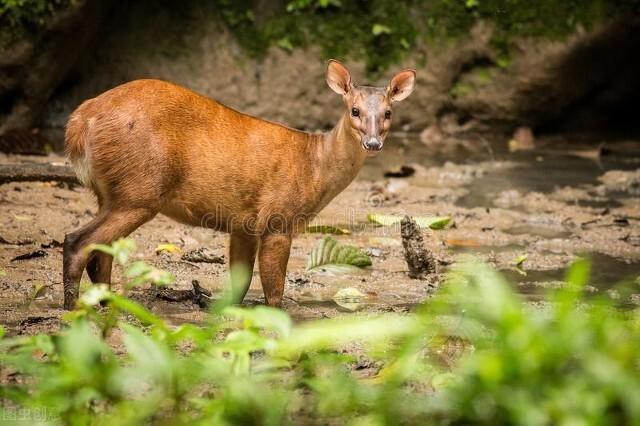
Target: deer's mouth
372,144
372,150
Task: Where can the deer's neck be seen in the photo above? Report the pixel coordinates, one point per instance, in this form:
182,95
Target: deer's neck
338,159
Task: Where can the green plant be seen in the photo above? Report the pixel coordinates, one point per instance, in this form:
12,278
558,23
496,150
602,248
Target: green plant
19,18
329,254
476,354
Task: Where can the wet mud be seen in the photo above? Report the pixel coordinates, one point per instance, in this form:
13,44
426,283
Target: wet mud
548,205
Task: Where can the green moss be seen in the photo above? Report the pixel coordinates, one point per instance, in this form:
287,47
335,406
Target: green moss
24,18
460,90
382,32
379,32
482,75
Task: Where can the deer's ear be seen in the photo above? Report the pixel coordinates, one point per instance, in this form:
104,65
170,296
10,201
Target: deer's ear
401,85
338,77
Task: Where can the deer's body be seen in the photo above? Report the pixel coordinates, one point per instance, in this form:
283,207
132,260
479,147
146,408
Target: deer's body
161,146
150,147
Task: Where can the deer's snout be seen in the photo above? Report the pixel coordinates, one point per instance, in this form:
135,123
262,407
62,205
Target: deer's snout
372,143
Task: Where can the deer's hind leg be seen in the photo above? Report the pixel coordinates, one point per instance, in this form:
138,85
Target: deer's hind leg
99,268
109,225
99,264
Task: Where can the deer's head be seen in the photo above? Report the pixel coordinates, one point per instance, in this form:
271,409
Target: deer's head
369,108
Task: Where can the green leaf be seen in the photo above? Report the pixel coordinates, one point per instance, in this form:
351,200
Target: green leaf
327,3
379,29
285,43
579,273
443,380
151,357
330,254
167,248
433,222
141,273
349,294
471,4
120,249
518,261
327,229
262,317
95,294
349,298
137,310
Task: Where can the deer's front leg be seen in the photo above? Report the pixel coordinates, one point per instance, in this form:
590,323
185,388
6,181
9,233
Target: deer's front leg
273,258
242,258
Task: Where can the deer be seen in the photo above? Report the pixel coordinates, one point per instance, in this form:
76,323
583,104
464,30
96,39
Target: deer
150,147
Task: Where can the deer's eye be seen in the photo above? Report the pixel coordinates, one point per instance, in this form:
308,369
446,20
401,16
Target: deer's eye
355,112
387,115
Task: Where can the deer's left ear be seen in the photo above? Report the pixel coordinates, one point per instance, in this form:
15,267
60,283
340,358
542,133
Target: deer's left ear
401,85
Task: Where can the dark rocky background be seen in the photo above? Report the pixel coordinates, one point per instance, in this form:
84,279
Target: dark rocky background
554,67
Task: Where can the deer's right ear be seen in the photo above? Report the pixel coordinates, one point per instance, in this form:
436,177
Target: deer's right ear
338,77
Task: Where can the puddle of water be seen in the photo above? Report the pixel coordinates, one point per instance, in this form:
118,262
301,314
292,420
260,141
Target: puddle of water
539,176
537,171
537,230
600,204
404,149
486,249
606,273
363,305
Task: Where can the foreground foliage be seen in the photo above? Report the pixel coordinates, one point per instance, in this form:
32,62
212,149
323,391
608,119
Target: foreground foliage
474,354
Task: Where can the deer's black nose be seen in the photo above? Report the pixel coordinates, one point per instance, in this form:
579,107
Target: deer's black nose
373,144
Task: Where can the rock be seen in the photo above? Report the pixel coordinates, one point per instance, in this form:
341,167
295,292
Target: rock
432,135
374,252
632,239
464,81
508,199
522,140
32,68
402,172
420,260
621,181
297,280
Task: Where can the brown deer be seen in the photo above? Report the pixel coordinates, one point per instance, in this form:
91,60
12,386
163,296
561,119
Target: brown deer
149,147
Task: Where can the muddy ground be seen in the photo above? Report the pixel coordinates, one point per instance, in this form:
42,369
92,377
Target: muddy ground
551,204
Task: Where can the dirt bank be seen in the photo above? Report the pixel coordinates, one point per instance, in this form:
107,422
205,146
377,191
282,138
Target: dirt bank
582,82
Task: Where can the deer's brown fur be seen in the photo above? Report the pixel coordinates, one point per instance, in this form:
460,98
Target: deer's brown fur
149,147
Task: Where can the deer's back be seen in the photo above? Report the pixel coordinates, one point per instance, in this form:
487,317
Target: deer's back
150,141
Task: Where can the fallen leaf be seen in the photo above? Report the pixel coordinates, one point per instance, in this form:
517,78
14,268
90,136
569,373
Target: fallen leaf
349,298
520,260
385,241
327,229
167,248
331,256
433,222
